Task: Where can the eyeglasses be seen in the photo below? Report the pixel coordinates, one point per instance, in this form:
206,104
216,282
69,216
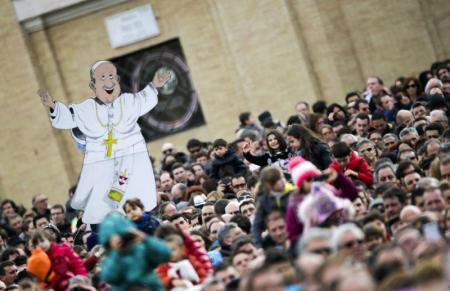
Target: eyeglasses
369,150
411,86
350,244
321,251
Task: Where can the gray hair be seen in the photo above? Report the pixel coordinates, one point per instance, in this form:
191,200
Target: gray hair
439,113
390,135
364,141
224,231
408,130
382,166
312,234
343,229
427,183
433,83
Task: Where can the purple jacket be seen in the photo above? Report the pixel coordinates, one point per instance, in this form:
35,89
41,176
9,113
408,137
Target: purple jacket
346,189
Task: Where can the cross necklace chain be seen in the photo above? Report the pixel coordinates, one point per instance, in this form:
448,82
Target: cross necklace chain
110,125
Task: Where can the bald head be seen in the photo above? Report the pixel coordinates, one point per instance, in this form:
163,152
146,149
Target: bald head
404,117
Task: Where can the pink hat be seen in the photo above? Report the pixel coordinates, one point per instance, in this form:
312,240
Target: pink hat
301,170
321,203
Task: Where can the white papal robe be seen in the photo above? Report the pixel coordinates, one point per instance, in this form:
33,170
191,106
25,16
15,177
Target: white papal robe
99,173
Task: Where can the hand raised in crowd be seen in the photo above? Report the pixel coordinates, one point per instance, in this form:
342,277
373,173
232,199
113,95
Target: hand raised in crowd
246,147
46,98
349,173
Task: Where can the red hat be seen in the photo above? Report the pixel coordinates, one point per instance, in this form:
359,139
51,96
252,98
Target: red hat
302,169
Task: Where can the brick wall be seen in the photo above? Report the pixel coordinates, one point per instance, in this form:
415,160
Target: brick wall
243,55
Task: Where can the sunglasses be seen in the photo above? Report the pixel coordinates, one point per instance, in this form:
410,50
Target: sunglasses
322,251
350,244
411,86
168,151
369,150
238,186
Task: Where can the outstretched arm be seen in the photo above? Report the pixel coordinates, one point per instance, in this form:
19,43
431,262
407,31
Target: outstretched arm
148,98
60,114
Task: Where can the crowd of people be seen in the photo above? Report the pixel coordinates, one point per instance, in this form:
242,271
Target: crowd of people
343,197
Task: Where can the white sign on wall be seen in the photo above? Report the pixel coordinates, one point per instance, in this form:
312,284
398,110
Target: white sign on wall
131,26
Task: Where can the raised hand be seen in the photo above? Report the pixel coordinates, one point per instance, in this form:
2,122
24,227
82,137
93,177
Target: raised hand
161,78
46,98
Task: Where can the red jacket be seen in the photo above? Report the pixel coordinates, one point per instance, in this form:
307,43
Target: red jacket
357,164
66,264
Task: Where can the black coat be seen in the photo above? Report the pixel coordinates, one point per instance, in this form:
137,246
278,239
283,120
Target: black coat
228,165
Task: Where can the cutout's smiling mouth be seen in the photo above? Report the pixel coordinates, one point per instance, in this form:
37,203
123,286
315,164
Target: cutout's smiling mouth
109,91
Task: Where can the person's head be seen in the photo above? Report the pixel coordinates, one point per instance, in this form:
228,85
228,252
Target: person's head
387,102
385,173
105,81
207,211
276,227
245,118
407,154
404,117
431,148
393,200
272,179
379,122
247,208
194,146
179,191
15,221
228,233
134,209
8,207
410,181
409,213
434,201
179,220
167,209
367,149
166,182
226,273
238,183
434,130
275,141
41,238
376,137
179,173
40,221
440,117
390,142
419,110
176,244
315,240
362,124
232,208
58,214
220,148
241,259
444,167
349,240
350,139
362,106
410,136
442,72
327,133
374,85
302,107
341,153
214,225
352,97
245,243
8,272
40,203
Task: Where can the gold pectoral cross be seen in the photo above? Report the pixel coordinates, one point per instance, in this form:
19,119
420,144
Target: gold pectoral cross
109,142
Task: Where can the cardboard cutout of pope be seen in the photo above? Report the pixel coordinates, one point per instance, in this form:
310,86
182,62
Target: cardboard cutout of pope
116,165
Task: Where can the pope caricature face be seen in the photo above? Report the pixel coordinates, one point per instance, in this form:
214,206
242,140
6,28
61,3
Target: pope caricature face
106,82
